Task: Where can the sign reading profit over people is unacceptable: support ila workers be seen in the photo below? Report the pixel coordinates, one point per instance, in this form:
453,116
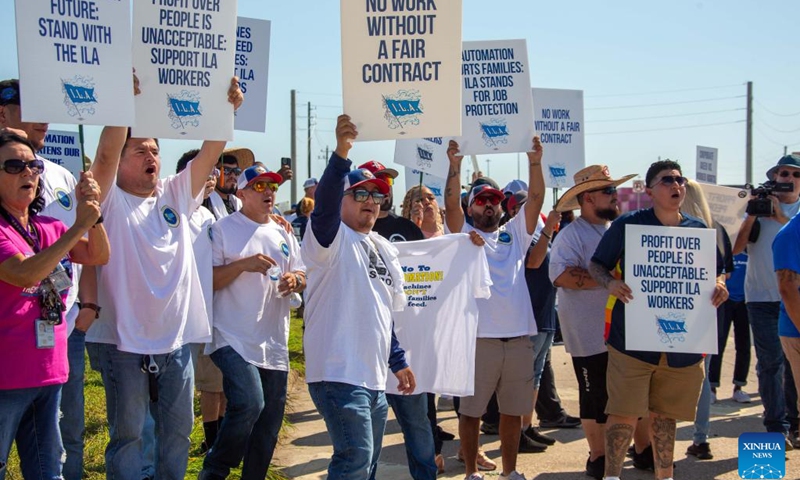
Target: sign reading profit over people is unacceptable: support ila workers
75,61
401,67
497,114
183,52
558,118
672,274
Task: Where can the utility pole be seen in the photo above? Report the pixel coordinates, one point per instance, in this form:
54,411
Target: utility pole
325,156
488,167
749,145
308,143
785,150
293,124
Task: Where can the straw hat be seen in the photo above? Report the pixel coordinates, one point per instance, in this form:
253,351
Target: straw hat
593,177
244,156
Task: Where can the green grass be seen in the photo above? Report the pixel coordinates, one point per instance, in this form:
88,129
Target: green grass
96,436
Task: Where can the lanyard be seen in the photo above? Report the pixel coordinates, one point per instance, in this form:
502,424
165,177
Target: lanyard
31,235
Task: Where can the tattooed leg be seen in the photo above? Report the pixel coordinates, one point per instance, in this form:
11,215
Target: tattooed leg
619,431
663,441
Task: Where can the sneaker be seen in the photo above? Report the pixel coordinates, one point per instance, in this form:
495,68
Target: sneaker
740,396
474,476
526,445
537,436
567,421
490,428
702,451
515,475
644,460
596,469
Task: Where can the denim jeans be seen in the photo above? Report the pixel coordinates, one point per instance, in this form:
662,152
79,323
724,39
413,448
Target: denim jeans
253,417
411,412
127,404
541,347
770,363
30,416
733,313
72,402
356,419
702,417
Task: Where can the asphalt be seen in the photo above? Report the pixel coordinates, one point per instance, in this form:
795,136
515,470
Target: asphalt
305,451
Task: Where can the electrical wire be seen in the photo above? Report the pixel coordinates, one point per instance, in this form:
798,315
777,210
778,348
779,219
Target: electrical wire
778,130
663,91
775,113
667,128
667,103
666,116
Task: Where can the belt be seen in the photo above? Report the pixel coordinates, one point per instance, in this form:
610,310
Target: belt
508,339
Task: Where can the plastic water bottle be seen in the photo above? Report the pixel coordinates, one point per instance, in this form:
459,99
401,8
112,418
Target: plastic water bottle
274,274
295,300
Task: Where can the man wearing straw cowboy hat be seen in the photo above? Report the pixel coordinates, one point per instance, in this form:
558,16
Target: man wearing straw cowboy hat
581,301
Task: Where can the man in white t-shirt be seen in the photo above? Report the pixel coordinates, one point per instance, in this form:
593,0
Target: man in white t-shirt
153,303
354,284
504,352
251,326
582,302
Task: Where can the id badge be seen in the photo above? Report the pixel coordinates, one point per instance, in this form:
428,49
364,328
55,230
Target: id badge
45,334
59,279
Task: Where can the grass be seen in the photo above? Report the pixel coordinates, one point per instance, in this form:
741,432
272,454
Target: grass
96,436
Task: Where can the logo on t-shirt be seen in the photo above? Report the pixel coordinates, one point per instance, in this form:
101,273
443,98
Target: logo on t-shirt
285,249
171,216
63,198
210,234
396,237
505,238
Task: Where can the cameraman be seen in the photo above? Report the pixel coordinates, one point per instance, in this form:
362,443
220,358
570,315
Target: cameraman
763,301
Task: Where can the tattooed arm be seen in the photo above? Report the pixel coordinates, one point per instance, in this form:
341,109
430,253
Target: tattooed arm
788,284
454,216
576,278
533,207
615,287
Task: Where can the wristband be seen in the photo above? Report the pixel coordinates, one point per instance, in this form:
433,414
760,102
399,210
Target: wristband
90,306
549,237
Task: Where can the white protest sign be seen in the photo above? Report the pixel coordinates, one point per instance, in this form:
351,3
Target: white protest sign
75,61
497,107
428,155
727,206
706,164
401,67
184,55
559,124
252,68
435,184
64,148
672,273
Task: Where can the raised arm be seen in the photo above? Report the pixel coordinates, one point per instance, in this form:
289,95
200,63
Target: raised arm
453,215
533,207
106,161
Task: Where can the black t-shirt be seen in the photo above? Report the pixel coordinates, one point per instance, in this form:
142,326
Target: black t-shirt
398,229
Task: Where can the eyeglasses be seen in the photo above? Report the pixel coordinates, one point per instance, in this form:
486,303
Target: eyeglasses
668,180
605,191
481,201
386,178
262,186
786,173
361,196
14,166
232,170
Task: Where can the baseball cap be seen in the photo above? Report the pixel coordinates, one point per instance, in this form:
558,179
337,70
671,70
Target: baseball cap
361,176
310,182
486,181
378,168
9,92
254,173
484,190
517,199
515,186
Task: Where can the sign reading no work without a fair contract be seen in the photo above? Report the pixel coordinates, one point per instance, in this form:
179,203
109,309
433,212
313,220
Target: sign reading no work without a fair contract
401,67
672,274
497,114
183,52
558,118
75,61
252,68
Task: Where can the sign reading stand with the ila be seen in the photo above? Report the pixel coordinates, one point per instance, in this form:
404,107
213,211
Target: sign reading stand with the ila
672,275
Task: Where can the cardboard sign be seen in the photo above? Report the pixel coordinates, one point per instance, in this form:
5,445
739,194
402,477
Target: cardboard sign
75,62
727,206
252,68
183,52
427,155
559,124
498,110
401,67
706,164
672,273
64,148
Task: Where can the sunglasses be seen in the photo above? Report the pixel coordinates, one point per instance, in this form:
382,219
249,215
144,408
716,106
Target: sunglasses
785,173
386,178
361,196
14,166
232,170
261,186
605,191
481,201
668,180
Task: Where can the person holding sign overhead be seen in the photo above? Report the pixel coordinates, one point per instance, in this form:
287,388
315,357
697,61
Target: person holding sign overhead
664,386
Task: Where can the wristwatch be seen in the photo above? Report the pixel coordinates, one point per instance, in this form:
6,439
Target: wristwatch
91,306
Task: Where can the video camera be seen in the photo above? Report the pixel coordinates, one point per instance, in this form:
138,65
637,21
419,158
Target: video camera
762,206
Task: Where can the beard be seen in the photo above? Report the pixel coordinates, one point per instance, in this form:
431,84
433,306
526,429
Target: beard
609,214
226,190
387,204
486,222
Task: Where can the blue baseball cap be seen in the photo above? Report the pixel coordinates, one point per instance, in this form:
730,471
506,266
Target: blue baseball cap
361,176
484,191
255,173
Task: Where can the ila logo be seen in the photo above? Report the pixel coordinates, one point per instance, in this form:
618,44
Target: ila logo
402,109
63,198
171,217
184,110
505,238
494,133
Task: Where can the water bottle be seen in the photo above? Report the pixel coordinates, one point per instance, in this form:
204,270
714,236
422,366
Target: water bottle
295,300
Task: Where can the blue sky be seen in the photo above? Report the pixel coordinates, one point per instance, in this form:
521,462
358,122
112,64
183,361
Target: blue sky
685,59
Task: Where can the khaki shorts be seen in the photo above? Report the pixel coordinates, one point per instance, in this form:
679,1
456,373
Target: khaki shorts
636,387
207,377
505,367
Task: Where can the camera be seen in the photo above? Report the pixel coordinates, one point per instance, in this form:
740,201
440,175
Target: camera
762,206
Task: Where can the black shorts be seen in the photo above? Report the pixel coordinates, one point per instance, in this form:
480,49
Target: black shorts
593,396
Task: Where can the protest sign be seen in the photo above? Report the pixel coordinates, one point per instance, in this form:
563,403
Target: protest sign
727,206
435,184
559,124
428,155
184,55
497,111
75,61
64,148
672,274
401,67
706,164
252,68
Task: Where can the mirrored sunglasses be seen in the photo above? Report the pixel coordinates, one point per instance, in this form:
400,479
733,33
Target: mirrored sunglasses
261,186
481,201
232,170
670,179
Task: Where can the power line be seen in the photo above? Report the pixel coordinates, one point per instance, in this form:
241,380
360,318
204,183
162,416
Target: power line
338,95
778,129
663,91
668,103
667,128
775,113
666,116
768,138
